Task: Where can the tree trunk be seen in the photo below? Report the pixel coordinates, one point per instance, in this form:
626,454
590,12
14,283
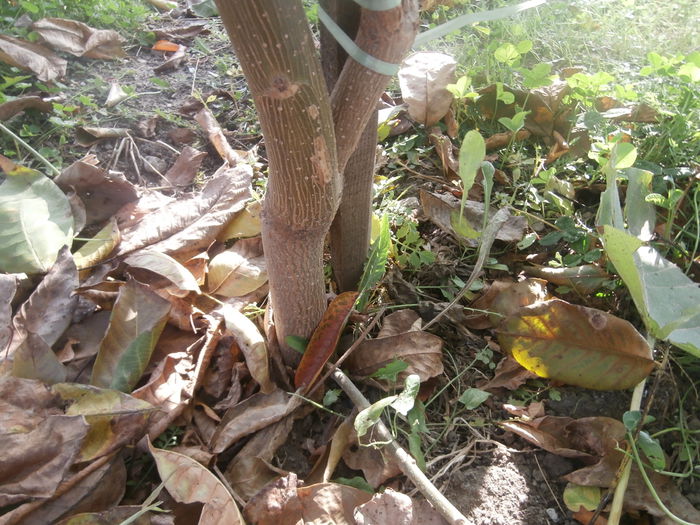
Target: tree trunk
351,228
275,48
386,35
306,156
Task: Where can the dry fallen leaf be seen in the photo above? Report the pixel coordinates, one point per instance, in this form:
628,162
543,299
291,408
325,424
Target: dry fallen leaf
183,172
394,508
423,78
79,39
439,208
46,65
239,270
12,107
422,351
40,442
577,345
286,503
190,482
102,193
186,227
255,413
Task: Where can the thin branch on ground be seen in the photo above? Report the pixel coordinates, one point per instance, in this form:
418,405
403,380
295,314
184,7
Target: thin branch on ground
404,459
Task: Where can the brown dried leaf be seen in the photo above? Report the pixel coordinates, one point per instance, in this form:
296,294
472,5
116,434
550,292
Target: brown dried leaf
40,442
174,61
501,140
36,58
423,78
255,413
171,383
239,270
12,107
48,311
584,279
188,226
102,193
79,39
420,350
251,343
189,482
183,172
98,486
177,34
439,209
394,508
248,472
577,345
286,503
376,467
87,136
113,515
446,151
509,375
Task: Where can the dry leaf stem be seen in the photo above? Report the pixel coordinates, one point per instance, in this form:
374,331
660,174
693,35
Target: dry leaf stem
405,461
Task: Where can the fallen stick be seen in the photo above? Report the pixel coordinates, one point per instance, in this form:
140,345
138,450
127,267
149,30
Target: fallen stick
404,459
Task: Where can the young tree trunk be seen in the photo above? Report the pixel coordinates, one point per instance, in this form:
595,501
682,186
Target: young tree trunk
308,137
351,228
276,51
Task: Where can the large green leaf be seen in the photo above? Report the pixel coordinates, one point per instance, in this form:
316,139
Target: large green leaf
35,222
471,155
667,299
137,320
577,345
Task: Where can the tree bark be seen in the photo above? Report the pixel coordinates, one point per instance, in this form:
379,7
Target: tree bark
351,228
308,137
275,48
386,35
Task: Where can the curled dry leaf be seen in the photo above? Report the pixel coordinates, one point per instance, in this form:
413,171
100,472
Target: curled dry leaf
165,266
41,61
247,223
249,471
183,172
12,107
189,482
324,339
440,209
375,466
79,39
286,503
186,227
48,311
207,120
87,136
422,352
251,343
238,271
584,279
174,61
40,442
577,345
256,412
394,508
116,95
97,249
102,193
423,79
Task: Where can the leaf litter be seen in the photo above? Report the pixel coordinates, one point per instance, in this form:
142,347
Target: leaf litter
156,374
